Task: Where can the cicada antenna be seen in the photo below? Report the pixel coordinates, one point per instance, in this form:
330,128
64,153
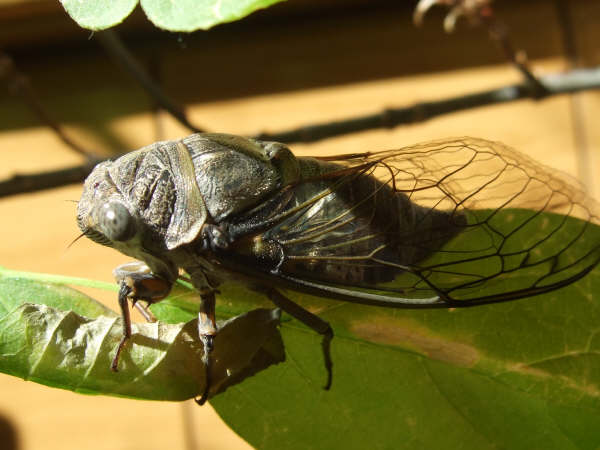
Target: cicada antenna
75,240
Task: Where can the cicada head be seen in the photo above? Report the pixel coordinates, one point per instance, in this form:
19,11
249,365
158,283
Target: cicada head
102,213
128,206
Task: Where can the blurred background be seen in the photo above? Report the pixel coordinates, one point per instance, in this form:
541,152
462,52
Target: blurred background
297,63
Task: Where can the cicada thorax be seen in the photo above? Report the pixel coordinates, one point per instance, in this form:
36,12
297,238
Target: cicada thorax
232,173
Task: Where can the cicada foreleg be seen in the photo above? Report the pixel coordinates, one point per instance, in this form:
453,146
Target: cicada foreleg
136,282
310,320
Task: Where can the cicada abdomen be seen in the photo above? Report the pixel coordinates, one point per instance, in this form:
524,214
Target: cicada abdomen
338,224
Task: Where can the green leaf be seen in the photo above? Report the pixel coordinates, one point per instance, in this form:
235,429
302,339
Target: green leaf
192,15
172,15
16,291
98,14
61,348
517,375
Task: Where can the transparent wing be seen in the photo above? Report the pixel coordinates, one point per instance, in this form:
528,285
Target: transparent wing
463,220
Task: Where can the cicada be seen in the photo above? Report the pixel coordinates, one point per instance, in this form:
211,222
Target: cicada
443,224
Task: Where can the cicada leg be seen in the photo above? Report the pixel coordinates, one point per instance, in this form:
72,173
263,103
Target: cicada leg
207,329
310,320
144,311
124,291
136,282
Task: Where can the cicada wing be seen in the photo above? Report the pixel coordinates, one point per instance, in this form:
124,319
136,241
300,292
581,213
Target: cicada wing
461,220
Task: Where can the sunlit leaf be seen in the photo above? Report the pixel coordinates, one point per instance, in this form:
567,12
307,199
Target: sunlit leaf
98,14
191,15
176,15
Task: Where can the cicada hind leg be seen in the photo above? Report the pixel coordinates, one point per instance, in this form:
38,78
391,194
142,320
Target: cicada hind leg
136,282
310,320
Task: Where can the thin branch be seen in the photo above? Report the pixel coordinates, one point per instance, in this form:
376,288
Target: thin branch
573,81
116,49
21,184
18,84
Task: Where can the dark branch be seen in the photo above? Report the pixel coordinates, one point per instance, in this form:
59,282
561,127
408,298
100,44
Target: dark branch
117,50
576,80
21,184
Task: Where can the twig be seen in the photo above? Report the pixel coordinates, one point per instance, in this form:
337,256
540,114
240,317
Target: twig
21,184
18,84
115,48
573,81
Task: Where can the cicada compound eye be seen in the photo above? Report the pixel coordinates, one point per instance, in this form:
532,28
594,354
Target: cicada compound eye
115,222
